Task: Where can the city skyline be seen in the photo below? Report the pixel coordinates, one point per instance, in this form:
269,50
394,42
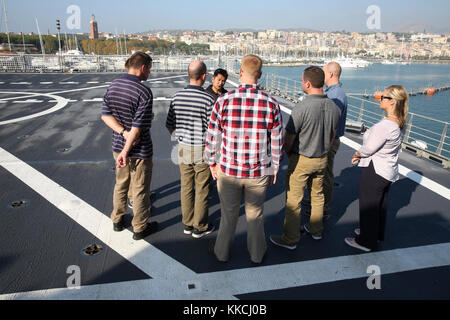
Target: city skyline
142,16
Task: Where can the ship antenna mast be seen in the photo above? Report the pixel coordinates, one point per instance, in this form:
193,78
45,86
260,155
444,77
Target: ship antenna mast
6,23
40,38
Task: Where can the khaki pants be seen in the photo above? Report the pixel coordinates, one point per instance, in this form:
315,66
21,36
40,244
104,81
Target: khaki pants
230,192
136,176
300,169
195,184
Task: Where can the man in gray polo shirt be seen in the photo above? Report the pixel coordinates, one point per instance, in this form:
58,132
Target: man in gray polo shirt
309,135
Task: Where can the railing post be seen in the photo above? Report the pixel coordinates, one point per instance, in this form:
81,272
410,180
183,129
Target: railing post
361,111
441,143
287,88
295,90
408,128
267,81
279,80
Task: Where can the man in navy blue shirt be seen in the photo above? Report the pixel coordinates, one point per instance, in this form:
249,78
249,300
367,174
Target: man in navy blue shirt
334,92
127,110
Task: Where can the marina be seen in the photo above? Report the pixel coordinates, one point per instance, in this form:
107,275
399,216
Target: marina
56,162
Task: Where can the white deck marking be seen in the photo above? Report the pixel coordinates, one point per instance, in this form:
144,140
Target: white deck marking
69,82
46,82
57,101
26,83
62,102
91,82
28,101
93,100
165,78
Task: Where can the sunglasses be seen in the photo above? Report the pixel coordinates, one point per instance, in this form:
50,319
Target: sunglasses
385,97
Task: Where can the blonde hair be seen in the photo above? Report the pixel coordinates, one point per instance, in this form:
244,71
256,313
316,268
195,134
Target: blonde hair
401,98
252,65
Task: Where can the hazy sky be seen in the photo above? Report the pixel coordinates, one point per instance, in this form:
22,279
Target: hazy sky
144,15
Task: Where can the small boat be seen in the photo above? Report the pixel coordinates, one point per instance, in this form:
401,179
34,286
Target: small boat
377,95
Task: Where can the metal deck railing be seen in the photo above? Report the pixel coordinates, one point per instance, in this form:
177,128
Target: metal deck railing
103,63
425,136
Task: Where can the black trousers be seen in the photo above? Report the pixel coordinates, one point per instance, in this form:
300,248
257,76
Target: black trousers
373,194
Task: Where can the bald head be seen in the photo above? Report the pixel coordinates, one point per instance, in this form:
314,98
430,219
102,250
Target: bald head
335,68
332,73
251,66
196,70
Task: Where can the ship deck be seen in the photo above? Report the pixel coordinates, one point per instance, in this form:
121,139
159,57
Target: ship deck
57,176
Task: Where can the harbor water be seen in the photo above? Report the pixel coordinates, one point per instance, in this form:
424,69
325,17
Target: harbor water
376,77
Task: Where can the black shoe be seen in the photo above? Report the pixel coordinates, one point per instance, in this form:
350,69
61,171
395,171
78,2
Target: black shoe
198,234
188,230
152,227
119,226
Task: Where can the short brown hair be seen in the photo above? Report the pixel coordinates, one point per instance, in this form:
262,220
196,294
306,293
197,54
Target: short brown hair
315,75
252,65
137,60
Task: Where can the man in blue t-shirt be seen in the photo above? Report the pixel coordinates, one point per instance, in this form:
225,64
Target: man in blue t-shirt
334,92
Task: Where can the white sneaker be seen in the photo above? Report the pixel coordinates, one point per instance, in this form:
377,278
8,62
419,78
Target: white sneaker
352,243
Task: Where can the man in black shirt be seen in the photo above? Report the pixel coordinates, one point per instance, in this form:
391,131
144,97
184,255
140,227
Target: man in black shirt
218,82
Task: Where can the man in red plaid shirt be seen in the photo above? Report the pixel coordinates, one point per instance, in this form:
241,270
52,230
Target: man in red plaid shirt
246,127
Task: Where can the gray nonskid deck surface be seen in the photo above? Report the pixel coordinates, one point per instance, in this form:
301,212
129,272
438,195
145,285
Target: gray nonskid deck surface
72,148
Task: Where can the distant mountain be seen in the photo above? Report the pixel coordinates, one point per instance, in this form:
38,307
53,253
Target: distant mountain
300,30
180,31
420,27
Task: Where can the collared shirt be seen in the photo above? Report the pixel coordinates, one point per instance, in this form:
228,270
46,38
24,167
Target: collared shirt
214,94
314,120
339,97
246,124
130,102
189,114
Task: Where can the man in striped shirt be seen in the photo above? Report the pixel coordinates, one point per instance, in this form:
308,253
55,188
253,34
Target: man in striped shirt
187,120
246,123
127,110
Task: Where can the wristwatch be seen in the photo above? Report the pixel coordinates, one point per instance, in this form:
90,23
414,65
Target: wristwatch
121,132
